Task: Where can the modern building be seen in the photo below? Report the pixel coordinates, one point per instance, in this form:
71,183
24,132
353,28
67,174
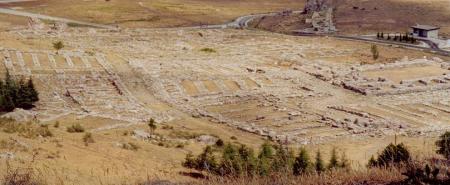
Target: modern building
425,31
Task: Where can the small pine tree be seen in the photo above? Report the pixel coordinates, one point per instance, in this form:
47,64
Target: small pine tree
334,163
344,161
58,45
378,34
189,161
382,35
249,161
319,164
393,155
265,159
283,159
206,160
302,162
34,95
152,125
375,52
372,162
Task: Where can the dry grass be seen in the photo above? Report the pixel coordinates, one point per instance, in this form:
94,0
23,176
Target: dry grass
155,13
342,177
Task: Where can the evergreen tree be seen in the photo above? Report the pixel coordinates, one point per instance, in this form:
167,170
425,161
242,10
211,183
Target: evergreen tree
265,159
344,161
319,165
302,162
230,161
152,125
34,95
334,163
372,162
443,145
249,161
382,35
283,159
206,160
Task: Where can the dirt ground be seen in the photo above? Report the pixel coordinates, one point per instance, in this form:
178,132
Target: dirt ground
153,13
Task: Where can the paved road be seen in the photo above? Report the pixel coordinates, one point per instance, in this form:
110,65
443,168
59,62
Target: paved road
51,18
13,1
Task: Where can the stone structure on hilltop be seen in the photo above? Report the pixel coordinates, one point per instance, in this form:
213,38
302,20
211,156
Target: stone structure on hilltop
315,5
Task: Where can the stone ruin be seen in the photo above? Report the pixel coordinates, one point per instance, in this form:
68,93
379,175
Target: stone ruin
321,17
75,83
35,24
312,6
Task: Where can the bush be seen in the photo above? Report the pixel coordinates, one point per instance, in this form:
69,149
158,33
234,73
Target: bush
75,128
375,52
391,155
56,125
220,143
44,131
208,50
58,45
87,138
443,145
130,146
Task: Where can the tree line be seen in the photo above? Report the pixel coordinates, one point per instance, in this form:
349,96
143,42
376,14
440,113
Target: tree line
400,37
17,93
233,160
240,160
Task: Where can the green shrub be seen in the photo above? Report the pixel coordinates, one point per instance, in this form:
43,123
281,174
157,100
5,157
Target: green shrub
391,155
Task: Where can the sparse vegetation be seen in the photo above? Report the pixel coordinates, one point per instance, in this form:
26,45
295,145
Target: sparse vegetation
28,129
58,45
56,125
88,138
130,146
75,128
208,50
